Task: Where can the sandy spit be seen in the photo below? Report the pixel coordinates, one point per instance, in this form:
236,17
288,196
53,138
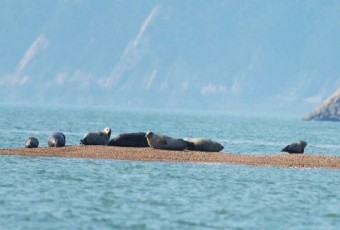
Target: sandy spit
149,154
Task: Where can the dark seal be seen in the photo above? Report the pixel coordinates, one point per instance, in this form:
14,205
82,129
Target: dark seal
31,142
203,144
129,140
297,147
56,139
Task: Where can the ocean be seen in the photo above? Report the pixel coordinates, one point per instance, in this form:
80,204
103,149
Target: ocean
59,193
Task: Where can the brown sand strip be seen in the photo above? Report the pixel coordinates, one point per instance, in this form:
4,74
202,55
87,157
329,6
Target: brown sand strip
149,154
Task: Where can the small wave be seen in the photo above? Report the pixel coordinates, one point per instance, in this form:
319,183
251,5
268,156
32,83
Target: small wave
326,146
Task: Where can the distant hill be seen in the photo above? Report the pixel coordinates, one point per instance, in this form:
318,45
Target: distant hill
246,56
329,110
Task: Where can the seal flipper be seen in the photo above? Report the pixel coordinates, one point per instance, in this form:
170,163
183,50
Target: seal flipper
285,149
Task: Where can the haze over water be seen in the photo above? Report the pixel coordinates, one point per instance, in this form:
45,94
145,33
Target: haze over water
239,56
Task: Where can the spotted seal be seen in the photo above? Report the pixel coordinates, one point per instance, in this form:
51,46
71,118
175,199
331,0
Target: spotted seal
56,139
157,141
31,142
96,138
130,140
296,147
203,144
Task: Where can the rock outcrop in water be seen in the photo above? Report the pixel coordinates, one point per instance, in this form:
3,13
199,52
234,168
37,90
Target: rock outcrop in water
329,110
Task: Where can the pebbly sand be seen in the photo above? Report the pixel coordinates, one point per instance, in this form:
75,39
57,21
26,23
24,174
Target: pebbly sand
149,154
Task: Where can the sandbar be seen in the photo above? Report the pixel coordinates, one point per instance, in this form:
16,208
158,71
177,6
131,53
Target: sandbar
156,155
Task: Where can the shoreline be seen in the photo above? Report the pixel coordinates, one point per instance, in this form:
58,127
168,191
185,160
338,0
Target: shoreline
156,155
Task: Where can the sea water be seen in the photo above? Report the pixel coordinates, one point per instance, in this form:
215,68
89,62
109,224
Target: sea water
59,193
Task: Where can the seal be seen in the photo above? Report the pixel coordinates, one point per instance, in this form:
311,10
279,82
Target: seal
130,140
96,138
31,142
157,141
203,144
296,147
56,139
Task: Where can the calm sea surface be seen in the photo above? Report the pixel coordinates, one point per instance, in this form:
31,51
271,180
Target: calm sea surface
58,193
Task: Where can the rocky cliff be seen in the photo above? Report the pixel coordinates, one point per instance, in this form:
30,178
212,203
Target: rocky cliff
329,110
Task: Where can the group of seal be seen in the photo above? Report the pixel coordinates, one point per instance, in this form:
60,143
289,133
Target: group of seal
56,139
136,139
158,141
147,139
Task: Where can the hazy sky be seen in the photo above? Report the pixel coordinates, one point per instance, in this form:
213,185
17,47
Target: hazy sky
248,56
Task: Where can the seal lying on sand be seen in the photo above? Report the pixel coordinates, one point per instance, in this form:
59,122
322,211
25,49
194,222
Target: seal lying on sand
130,140
56,139
297,147
165,142
31,142
96,138
203,144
